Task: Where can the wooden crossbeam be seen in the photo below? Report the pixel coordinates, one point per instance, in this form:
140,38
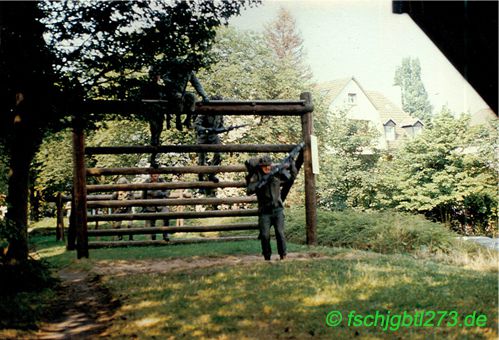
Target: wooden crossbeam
250,148
257,107
174,215
164,186
113,244
206,169
184,229
170,202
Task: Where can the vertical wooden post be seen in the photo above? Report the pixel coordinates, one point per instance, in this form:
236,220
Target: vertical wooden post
59,230
80,190
310,194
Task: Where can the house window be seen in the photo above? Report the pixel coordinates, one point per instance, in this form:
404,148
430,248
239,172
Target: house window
390,130
352,98
417,129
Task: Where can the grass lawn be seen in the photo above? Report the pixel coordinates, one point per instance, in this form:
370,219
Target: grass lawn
289,299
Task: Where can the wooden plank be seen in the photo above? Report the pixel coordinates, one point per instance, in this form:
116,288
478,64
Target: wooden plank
184,229
198,169
310,192
261,108
251,148
257,107
165,186
98,197
171,202
173,215
113,244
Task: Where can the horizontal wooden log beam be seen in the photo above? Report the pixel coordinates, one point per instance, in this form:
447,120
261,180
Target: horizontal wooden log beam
257,107
164,186
172,215
185,229
251,148
198,169
99,197
170,202
114,244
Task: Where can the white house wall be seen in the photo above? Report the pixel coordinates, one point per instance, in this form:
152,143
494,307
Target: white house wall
363,109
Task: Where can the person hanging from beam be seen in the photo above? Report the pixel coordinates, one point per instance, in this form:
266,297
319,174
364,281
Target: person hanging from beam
176,75
154,90
168,83
207,127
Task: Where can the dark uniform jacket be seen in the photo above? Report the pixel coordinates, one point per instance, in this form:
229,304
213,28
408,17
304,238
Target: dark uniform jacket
155,194
269,196
204,122
122,195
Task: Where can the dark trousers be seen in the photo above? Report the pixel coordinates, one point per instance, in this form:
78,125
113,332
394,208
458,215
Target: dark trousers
209,139
152,223
265,221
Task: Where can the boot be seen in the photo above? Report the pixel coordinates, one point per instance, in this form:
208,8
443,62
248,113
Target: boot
187,121
168,122
213,178
178,122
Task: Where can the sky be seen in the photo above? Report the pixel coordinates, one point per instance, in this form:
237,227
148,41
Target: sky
364,39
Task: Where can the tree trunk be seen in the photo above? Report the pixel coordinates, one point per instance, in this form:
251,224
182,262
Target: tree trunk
26,100
17,198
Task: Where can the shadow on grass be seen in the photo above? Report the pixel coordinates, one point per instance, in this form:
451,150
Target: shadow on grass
292,299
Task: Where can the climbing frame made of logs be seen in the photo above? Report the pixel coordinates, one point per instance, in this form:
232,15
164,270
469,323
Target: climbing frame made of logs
85,199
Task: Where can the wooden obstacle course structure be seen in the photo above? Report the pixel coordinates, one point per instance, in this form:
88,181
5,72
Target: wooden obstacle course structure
78,236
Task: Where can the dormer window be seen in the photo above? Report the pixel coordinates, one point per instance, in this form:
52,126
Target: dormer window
417,128
413,129
352,98
389,130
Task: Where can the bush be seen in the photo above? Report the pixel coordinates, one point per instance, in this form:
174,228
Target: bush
25,292
384,232
30,275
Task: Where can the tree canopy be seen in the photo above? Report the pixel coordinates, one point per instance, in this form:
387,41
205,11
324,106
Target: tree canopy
447,173
94,49
104,44
414,96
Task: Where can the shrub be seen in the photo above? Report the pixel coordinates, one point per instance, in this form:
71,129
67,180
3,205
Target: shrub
384,232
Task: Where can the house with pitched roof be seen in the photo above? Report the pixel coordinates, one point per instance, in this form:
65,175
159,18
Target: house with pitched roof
394,125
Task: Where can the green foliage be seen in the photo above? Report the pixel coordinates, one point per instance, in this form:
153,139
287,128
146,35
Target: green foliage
25,292
106,44
387,232
53,164
348,158
414,96
4,172
30,275
449,173
248,69
119,133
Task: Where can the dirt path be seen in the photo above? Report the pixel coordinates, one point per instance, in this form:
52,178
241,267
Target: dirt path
83,309
126,267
